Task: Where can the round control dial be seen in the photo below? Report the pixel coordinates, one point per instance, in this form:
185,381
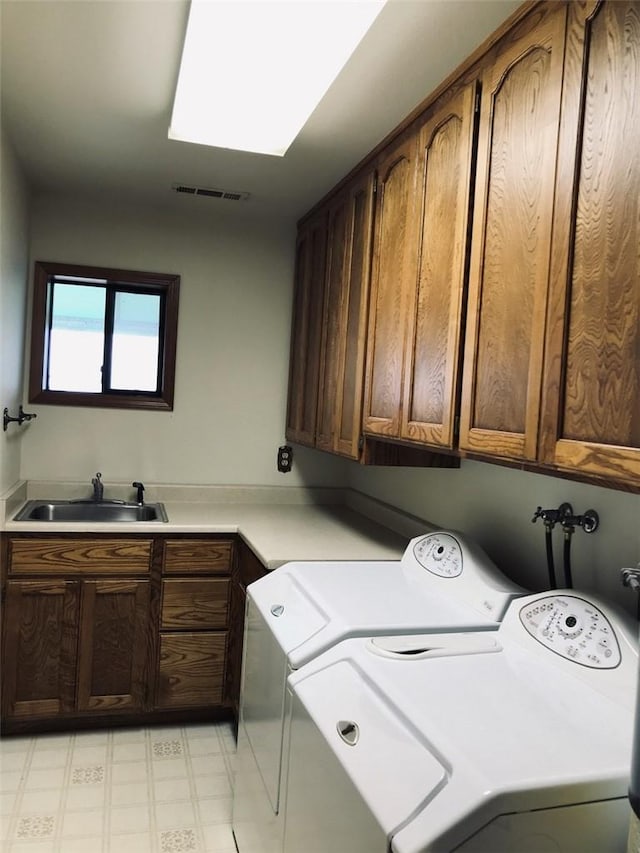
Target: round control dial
440,554
570,627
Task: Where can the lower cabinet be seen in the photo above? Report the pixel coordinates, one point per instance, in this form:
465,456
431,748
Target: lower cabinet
118,628
39,648
191,669
113,640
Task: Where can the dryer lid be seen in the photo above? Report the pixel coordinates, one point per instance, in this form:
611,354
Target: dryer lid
391,764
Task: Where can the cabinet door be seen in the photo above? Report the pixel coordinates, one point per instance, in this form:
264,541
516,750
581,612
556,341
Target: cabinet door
113,645
517,146
39,648
306,331
355,306
432,361
191,671
592,401
392,284
332,329
345,319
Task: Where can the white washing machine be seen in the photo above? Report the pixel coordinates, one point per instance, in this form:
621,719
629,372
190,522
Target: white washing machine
442,583
518,741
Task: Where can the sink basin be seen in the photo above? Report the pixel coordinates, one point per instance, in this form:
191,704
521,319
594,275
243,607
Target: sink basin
114,511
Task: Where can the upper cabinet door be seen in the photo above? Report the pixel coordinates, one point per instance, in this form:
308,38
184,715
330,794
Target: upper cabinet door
353,324
332,330
344,326
592,403
306,331
432,361
508,285
392,286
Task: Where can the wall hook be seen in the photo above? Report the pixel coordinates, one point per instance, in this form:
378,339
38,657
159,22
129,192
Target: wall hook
22,417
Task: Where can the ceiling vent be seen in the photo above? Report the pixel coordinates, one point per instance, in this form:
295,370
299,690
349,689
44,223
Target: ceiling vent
210,192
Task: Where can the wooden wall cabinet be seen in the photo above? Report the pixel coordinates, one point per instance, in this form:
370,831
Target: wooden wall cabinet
552,363
326,382
306,330
511,248
591,400
392,284
344,327
419,278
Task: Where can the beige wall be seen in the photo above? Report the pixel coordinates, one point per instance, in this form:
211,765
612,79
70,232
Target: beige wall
232,357
495,506
14,237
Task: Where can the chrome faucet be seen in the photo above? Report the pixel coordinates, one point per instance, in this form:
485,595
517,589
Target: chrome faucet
98,488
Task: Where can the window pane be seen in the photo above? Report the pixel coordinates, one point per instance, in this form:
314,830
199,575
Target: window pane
136,332
76,343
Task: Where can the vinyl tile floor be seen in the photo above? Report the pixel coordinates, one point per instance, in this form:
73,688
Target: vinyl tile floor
139,790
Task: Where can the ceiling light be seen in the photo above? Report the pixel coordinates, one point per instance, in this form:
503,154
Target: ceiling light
253,71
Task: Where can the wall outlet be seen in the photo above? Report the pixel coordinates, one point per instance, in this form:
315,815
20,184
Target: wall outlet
285,458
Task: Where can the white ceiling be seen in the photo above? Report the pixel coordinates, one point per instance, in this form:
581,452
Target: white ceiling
87,91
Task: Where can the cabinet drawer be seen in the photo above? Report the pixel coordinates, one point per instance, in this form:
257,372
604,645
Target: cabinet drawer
191,671
197,603
197,556
79,556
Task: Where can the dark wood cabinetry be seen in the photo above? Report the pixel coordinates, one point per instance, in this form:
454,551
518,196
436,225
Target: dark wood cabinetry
98,629
113,645
194,623
40,640
249,569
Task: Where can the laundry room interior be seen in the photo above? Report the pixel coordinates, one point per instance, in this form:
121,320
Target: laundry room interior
330,402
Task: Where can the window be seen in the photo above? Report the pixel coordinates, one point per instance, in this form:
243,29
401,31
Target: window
103,337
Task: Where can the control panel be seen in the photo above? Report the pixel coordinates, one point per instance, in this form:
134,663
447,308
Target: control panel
440,554
573,628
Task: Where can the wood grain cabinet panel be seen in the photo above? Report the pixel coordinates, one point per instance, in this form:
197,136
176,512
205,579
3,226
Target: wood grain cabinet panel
392,280
191,670
197,556
70,556
39,648
113,645
355,317
433,345
330,349
513,214
306,331
341,382
201,603
592,380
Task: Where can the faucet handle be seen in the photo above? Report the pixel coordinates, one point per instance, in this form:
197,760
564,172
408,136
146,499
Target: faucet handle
140,488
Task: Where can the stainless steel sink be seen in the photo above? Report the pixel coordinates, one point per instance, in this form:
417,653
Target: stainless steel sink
114,511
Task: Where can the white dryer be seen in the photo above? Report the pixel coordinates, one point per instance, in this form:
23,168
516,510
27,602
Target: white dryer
518,741
442,583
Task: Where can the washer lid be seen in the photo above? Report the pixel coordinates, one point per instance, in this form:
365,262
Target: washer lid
312,606
390,762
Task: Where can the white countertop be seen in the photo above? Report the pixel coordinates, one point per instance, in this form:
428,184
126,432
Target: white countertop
277,532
